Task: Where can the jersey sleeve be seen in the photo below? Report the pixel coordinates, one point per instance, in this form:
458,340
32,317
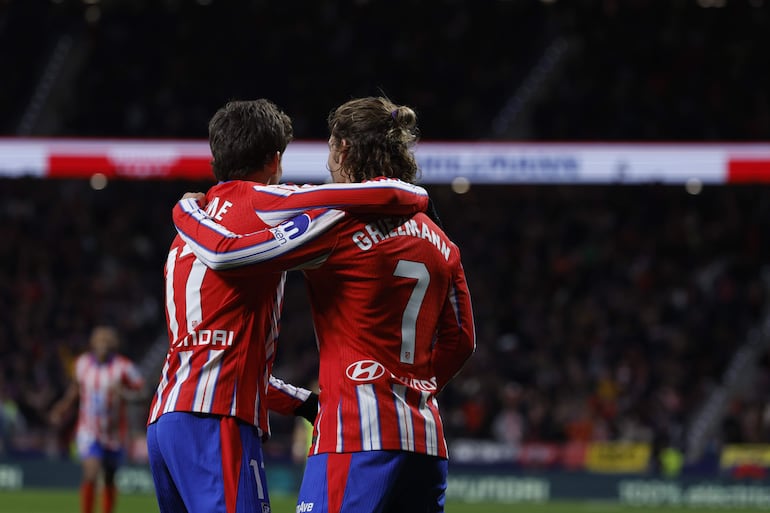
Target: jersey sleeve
456,337
284,398
278,248
385,196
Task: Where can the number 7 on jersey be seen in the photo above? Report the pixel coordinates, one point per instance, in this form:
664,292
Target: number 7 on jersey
416,271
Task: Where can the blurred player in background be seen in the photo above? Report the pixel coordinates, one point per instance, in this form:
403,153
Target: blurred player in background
209,415
103,381
393,318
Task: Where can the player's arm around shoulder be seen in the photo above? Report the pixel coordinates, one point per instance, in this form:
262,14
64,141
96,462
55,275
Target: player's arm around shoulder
386,196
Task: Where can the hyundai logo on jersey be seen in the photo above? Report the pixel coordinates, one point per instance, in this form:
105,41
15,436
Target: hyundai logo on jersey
365,370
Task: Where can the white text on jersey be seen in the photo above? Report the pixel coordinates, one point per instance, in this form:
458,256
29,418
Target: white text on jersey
380,230
214,210
222,338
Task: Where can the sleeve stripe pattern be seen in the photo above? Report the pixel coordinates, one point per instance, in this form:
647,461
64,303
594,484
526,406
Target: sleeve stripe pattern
290,390
382,183
286,237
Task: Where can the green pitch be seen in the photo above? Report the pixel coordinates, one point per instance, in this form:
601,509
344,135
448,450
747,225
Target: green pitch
47,501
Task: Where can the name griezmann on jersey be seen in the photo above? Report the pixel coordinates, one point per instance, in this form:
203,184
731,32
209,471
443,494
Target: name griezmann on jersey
383,229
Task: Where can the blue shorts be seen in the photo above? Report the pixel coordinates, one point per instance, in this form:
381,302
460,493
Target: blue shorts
110,458
373,482
207,464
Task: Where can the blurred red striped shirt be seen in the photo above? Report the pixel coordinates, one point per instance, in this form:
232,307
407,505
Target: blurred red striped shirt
102,415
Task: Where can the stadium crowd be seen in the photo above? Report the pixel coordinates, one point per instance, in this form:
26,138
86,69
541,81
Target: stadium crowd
640,69
603,313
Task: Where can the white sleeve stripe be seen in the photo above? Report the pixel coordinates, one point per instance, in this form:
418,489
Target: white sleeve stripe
390,183
268,250
290,390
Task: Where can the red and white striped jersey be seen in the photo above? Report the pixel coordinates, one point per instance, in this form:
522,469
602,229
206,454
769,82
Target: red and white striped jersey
392,315
102,410
223,327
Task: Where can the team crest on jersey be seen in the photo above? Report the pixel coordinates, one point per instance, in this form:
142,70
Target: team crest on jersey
365,370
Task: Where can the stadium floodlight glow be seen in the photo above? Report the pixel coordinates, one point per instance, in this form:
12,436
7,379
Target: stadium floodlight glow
693,186
461,185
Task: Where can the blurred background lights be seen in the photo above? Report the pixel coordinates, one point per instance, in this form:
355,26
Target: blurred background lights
693,186
98,181
461,185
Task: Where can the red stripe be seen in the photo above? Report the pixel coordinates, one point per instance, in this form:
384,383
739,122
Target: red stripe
232,454
337,468
748,170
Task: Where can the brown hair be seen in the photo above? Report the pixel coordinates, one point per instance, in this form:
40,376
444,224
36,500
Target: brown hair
245,135
380,136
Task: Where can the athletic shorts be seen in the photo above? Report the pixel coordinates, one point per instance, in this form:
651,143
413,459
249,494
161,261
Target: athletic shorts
373,482
89,447
206,464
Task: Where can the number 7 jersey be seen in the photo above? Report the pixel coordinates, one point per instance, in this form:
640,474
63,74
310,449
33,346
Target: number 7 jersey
394,324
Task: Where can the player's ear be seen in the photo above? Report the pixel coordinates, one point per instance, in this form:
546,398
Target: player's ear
274,167
343,150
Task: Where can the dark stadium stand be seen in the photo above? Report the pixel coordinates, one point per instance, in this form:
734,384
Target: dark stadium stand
603,312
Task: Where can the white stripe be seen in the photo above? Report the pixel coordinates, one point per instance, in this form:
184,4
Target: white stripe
193,295
339,428
369,418
182,373
443,438
257,401
204,391
266,250
299,393
431,438
159,394
234,402
318,431
404,414
170,305
275,319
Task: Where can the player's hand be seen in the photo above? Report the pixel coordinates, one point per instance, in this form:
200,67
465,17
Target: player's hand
197,196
